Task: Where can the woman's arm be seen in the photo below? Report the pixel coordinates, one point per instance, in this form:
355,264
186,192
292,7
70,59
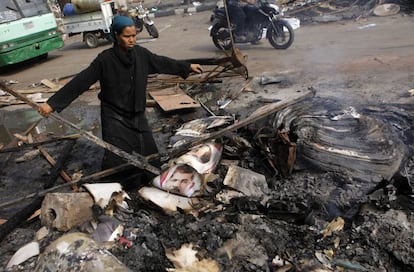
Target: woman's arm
70,91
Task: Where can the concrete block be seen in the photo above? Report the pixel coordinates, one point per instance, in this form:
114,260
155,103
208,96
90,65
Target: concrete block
64,211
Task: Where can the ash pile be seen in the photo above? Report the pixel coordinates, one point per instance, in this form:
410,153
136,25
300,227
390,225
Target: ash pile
310,12
281,182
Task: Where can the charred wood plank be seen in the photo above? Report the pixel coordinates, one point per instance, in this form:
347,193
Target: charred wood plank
57,168
52,162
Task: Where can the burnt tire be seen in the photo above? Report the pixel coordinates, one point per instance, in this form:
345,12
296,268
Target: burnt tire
221,37
280,36
152,30
356,141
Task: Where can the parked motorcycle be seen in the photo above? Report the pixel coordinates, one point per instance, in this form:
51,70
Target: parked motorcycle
140,15
262,18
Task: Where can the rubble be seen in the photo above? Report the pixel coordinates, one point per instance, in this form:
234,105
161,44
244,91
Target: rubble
244,209
77,251
344,202
65,211
184,259
23,254
170,203
246,182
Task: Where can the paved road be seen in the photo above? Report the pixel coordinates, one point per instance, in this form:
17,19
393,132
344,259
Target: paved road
320,53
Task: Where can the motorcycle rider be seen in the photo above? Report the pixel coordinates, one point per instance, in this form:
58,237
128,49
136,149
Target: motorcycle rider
121,7
238,13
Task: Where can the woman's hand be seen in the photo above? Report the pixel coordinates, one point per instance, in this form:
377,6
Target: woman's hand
196,68
45,109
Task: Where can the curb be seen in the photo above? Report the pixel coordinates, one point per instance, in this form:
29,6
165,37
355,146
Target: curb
183,10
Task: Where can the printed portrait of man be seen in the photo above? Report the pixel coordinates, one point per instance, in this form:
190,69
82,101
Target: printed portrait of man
204,158
180,179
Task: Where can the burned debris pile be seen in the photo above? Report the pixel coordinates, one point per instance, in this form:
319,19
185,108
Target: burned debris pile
331,11
288,182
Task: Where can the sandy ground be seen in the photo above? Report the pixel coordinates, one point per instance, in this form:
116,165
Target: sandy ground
340,51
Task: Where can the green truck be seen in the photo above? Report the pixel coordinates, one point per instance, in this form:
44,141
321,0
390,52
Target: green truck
28,30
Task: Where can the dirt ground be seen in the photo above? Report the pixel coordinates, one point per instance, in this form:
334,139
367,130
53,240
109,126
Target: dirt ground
366,64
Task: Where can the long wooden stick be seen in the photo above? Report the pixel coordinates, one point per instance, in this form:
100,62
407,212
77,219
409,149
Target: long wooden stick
136,159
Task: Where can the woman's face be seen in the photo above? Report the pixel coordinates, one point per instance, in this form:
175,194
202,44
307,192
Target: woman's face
127,38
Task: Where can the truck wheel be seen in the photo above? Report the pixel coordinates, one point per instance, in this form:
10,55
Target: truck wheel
91,40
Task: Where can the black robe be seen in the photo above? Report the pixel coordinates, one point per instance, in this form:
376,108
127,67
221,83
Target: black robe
123,81
123,78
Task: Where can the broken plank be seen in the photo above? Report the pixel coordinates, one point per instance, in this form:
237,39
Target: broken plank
49,84
52,162
173,99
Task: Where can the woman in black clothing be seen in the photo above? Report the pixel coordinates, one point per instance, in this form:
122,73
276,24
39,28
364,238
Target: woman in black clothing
122,72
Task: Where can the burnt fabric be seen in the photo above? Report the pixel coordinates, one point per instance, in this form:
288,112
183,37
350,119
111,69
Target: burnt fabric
123,81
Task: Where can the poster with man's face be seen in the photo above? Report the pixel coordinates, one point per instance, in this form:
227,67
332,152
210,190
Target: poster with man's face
186,175
204,158
180,179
